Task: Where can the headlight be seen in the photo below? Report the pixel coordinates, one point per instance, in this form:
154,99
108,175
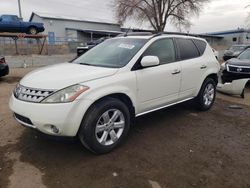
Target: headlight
17,90
68,94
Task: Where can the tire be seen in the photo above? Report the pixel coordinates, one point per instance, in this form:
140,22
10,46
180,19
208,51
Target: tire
95,120
243,94
33,30
206,97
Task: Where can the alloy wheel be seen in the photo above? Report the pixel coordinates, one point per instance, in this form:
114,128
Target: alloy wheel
110,127
209,94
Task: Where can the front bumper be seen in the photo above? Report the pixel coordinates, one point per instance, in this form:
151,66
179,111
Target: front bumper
231,76
235,87
66,117
227,57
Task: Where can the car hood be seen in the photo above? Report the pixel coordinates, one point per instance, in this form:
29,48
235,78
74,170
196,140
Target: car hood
232,53
228,52
63,75
239,62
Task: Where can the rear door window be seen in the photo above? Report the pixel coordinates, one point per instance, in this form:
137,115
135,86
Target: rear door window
187,49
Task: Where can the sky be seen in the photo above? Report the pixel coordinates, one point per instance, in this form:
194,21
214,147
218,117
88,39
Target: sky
217,15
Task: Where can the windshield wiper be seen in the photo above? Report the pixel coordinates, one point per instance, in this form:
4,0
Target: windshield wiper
88,64
85,64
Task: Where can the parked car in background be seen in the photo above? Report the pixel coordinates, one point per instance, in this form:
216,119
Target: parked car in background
83,49
11,23
234,74
237,68
234,51
4,68
96,96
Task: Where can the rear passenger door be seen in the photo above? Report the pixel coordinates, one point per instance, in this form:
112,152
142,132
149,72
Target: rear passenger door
158,86
192,64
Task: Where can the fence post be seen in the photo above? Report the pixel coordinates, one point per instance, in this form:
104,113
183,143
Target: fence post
15,39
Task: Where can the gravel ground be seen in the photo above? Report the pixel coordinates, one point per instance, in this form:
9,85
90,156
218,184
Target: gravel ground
175,147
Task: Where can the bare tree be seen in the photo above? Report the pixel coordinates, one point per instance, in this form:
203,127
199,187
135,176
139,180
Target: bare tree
158,12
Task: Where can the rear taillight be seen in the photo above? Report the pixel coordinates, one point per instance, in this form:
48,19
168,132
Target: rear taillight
2,60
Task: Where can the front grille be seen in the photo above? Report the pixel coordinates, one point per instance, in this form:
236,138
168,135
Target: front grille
23,119
30,94
239,69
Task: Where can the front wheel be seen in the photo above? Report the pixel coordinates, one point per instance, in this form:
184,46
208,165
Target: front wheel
105,126
206,97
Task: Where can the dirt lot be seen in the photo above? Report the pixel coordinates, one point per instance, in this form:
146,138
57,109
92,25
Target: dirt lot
177,147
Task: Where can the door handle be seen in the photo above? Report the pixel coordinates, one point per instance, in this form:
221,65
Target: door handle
177,71
203,66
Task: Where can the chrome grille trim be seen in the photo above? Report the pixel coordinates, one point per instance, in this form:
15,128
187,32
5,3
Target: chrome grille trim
243,69
31,94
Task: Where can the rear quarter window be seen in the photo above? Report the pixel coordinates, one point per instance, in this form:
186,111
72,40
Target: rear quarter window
201,45
187,49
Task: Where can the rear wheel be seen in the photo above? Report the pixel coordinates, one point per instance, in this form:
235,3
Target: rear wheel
243,94
105,126
206,97
33,30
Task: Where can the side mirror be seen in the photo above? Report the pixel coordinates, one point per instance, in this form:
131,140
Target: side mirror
150,61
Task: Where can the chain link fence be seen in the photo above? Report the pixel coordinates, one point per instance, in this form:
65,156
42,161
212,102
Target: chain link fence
24,46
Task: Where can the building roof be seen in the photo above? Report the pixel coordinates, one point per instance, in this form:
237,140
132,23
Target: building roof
228,32
102,32
69,18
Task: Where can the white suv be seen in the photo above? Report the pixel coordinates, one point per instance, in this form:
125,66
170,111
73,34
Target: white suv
96,96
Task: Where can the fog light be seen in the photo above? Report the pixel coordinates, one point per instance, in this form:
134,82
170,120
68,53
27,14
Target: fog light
54,129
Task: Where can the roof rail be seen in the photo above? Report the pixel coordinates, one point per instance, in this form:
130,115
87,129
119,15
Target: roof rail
135,34
176,33
139,34
155,34
171,33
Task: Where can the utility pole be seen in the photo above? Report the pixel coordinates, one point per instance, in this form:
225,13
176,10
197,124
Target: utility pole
20,9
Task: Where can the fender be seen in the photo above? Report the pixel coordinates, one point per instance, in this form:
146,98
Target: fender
122,84
211,70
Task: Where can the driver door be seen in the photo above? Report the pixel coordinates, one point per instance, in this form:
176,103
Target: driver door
160,85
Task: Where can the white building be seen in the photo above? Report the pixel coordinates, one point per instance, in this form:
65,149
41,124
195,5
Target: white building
231,37
62,29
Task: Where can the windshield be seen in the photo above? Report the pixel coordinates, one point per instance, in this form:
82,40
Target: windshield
237,48
245,54
113,53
